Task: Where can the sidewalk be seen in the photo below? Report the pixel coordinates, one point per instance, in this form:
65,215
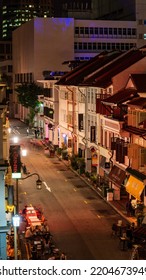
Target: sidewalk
117,205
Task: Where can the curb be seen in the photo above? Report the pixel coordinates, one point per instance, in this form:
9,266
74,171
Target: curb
85,181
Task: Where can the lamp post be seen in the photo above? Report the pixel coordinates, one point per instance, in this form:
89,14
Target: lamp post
16,218
16,223
15,160
38,182
38,187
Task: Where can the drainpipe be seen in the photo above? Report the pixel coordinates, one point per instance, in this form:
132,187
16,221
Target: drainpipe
73,122
87,150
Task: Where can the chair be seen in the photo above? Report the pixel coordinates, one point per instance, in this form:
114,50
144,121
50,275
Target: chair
123,243
114,230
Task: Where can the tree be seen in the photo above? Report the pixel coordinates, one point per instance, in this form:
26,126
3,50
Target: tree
28,97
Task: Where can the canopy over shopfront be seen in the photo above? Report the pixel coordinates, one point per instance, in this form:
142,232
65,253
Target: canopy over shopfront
134,187
117,175
136,182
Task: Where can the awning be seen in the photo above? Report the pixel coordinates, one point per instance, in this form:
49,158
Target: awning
135,130
135,173
117,175
134,187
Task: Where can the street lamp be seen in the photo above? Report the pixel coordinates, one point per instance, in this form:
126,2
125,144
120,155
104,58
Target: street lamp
16,218
15,140
16,224
38,182
38,186
23,152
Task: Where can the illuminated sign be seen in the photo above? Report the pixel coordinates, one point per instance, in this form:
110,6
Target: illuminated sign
16,221
15,161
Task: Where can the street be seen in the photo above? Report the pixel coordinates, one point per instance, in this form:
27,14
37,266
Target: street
80,220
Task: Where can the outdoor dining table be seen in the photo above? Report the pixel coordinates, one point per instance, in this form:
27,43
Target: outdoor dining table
31,217
34,221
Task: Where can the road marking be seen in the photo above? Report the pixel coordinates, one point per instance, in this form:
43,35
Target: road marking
23,193
99,217
47,188
15,131
85,202
75,190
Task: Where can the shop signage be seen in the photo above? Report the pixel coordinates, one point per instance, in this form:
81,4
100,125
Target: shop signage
94,159
15,161
117,175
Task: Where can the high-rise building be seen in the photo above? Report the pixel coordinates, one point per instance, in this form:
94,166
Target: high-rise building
79,9
14,13
97,9
117,9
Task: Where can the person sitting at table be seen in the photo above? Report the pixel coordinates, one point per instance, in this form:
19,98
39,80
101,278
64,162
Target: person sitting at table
129,234
10,252
24,210
47,248
114,229
28,233
34,253
44,227
37,230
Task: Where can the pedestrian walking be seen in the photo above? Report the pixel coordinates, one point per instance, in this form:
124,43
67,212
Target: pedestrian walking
27,131
35,132
24,169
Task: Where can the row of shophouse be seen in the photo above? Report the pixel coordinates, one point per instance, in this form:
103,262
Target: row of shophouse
89,110
98,111
4,168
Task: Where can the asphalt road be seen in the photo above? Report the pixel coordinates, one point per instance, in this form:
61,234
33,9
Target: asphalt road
79,219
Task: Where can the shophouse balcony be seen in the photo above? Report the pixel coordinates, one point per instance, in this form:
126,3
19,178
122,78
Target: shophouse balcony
120,147
113,124
100,108
49,112
137,157
48,92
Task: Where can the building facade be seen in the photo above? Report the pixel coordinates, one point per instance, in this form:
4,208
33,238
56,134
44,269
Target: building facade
4,163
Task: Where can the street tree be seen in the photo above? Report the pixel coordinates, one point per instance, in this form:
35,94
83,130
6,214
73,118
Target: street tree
28,97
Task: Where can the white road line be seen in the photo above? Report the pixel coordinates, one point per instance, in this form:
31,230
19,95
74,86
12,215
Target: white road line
47,188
